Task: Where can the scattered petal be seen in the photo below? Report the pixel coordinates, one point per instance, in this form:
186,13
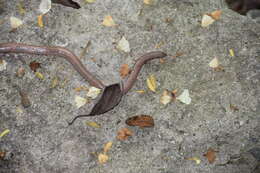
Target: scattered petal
196,159
166,97
34,65
185,97
123,45
124,70
80,101
45,6
40,22
93,124
148,2
39,75
54,82
5,132
93,92
124,133
214,63
216,14
210,155
102,158
3,65
90,1
108,21
207,20
107,147
151,83
231,52
141,121
15,22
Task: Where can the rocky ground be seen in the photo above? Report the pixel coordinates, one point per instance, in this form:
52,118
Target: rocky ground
223,115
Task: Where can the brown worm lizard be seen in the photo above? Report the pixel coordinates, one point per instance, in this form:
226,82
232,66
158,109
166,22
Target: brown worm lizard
111,95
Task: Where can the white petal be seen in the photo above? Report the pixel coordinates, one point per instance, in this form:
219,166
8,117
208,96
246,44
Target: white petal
93,92
80,101
185,97
123,45
214,63
3,65
45,6
15,22
207,20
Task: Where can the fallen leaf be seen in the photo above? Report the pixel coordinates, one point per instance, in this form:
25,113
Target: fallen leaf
34,65
184,97
39,20
207,20
25,101
214,63
102,158
107,147
93,124
151,83
148,2
216,14
68,3
90,1
162,60
196,159
5,132
108,21
141,121
124,70
140,91
39,75
231,52
21,8
166,97
210,155
20,72
45,6
2,155
80,101
123,45
3,65
15,22
124,133
54,82
93,92
178,54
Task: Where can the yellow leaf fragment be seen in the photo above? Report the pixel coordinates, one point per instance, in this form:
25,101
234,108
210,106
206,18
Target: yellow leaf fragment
196,159
231,52
140,91
151,83
15,22
107,146
5,132
80,101
39,75
40,22
148,2
93,124
90,1
108,21
102,158
166,97
93,92
54,82
214,63
206,20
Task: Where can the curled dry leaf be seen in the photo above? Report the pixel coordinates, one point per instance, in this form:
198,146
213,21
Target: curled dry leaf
124,133
141,121
210,155
34,65
108,21
166,97
3,65
25,101
123,45
124,70
151,83
2,155
102,158
216,14
107,146
5,132
15,22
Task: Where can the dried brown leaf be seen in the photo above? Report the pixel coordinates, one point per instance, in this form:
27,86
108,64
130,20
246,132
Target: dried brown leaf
107,146
210,155
25,101
141,121
124,70
34,65
124,133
